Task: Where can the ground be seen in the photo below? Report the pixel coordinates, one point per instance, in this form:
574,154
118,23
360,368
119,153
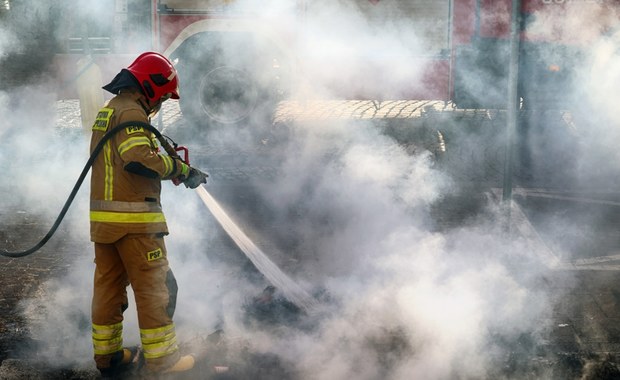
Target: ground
584,343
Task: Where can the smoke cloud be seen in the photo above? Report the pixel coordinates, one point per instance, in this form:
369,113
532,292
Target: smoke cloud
348,213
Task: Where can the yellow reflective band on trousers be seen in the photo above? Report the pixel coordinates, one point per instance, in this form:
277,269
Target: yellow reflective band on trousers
127,217
158,342
109,173
107,339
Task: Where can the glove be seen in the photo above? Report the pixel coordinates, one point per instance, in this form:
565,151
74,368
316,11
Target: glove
195,178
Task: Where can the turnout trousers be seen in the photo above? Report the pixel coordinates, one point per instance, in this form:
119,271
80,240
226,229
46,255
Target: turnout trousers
139,260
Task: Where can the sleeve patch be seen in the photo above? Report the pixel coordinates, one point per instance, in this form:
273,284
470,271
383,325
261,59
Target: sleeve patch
134,129
154,255
102,121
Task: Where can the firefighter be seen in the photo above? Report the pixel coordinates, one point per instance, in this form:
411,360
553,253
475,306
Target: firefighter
127,224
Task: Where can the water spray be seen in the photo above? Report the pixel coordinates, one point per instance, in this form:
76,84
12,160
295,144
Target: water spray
291,291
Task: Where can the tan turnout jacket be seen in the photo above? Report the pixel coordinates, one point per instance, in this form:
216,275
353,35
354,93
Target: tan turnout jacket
126,175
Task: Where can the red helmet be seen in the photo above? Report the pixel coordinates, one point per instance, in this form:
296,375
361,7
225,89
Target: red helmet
156,75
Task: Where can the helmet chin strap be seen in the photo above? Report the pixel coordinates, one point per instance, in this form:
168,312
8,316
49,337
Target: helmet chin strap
155,109
150,110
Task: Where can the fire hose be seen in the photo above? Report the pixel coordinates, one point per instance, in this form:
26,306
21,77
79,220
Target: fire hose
172,151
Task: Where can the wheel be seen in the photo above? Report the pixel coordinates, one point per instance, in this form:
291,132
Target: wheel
228,95
226,80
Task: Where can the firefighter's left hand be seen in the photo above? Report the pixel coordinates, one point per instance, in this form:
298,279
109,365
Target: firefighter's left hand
195,178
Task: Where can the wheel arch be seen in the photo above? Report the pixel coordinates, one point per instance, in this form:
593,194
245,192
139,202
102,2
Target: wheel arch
230,25
193,46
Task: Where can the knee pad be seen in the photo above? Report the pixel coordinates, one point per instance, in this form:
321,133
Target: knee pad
171,284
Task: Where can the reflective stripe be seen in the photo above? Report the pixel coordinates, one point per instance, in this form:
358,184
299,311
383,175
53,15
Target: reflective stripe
133,142
121,217
107,339
150,334
108,346
109,172
184,170
158,342
163,349
120,206
169,164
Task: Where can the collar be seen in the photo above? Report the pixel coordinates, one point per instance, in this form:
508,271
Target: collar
136,97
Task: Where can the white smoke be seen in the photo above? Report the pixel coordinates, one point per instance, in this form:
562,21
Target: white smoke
408,301
580,22
5,40
406,295
592,28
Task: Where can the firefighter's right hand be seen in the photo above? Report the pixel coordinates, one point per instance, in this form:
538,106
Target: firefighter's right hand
195,178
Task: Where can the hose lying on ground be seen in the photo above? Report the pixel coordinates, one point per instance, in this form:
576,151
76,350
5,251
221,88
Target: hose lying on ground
77,185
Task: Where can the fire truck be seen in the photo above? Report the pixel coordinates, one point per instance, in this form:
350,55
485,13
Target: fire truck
239,57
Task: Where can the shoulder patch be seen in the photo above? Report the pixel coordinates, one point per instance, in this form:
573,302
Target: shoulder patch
102,121
134,129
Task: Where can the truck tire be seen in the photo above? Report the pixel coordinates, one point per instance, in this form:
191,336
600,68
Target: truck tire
224,95
225,80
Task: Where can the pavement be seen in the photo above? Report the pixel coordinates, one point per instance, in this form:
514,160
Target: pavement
584,341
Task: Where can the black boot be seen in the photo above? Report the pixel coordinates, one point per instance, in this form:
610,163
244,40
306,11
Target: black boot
123,362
